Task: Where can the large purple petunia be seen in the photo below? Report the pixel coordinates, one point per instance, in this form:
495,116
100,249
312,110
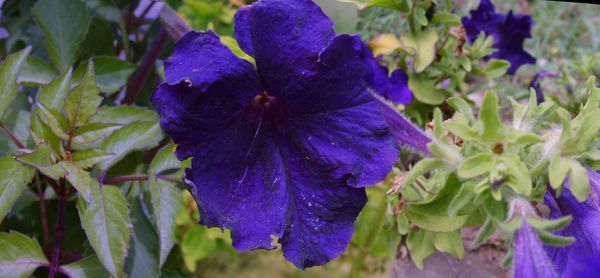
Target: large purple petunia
529,258
585,226
509,32
281,150
393,87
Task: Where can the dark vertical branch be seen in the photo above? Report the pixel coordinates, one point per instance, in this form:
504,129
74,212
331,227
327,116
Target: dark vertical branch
43,215
60,227
137,80
171,21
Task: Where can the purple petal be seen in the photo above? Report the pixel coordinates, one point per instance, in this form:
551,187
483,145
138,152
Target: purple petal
585,226
529,258
285,38
584,267
201,59
509,38
394,87
399,92
483,19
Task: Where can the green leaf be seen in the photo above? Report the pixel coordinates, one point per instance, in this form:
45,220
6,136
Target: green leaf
485,232
450,242
64,24
402,223
232,44
519,176
422,45
490,120
420,246
80,179
20,255
124,115
42,134
83,101
550,224
111,73
56,121
106,223
435,223
136,136
420,16
555,240
448,19
92,132
36,72
164,159
557,170
579,181
43,159
462,199
422,167
476,165
87,158
167,202
423,89
89,267
53,95
9,70
142,260
461,106
14,178
497,68
196,245
594,96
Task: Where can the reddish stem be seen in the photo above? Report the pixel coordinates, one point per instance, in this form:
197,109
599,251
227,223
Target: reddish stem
136,81
43,215
12,137
60,228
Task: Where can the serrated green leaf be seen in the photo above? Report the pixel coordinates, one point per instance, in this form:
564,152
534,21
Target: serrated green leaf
166,204
450,242
9,70
420,246
497,68
435,223
107,225
56,121
448,19
92,132
490,120
423,47
42,134
143,261
83,101
80,179
485,232
135,136
20,255
111,73
579,182
14,178
53,95
124,115
423,89
558,170
64,24
88,158
476,165
43,159
89,267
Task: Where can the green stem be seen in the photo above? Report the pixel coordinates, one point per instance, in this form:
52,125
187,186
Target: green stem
357,261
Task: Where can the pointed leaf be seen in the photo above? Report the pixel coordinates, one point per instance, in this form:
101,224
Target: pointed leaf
124,115
424,90
485,232
64,24
164,159
111,73
80,179
450,242
579,181
20,255
14,178
106,223
476,165
92,132
557,170
420,246
166,203
136,136
53,95
84,100
9,70
56,121
89,267
490,120
88,158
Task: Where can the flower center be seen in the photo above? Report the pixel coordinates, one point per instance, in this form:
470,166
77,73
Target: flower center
267,110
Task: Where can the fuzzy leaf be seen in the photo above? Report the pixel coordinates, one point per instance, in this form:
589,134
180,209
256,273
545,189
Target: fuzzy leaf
558,170
420,245
476,165
106,223
490,120
423,47
423,89
435,223
485,232
450,242
20,255
579,181
9,70
497,68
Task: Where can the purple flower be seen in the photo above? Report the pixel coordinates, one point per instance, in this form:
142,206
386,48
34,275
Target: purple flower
281,151
509,32
585,226
529,258
584,267
393,87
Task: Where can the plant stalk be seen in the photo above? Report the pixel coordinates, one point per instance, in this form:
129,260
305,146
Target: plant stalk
11,136
59,232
